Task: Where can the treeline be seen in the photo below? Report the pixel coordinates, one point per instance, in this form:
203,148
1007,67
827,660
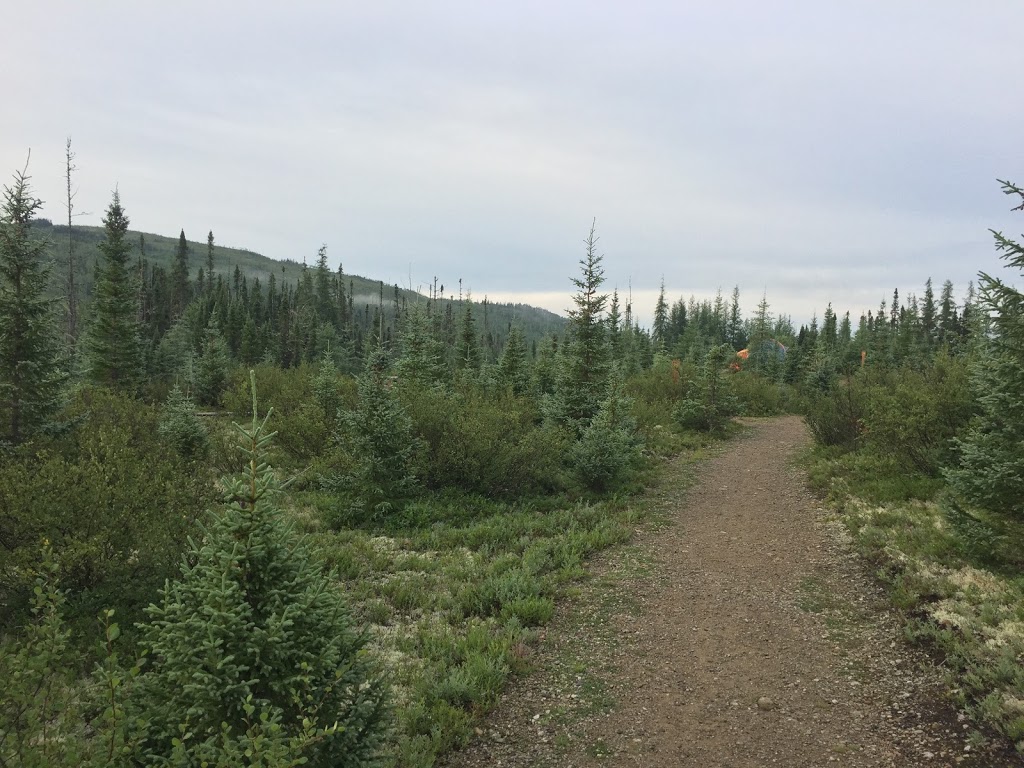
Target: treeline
281,312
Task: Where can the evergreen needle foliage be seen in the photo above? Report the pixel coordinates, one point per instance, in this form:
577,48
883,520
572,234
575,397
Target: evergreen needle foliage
380,439
710,404
991,470
113,345
581,379
253,656
30,374
181,427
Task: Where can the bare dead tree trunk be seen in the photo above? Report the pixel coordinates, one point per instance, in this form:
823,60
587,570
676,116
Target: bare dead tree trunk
69,167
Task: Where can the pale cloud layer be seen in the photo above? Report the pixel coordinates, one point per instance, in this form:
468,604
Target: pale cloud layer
814,151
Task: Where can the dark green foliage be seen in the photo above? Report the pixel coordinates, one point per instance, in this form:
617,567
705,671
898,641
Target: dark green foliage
913,415
379,437
607,455
212,367
513,366
467,345
422,355
113,346
253,648
836,416
114,502
991,470
581,379
180,289
30,372
710,403
181,428
486,445
51,717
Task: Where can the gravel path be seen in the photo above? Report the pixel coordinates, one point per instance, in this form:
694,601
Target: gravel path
741,633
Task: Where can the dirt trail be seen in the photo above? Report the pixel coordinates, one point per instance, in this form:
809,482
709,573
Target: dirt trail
743,633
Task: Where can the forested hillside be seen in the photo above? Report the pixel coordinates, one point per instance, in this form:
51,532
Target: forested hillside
244,286
264,518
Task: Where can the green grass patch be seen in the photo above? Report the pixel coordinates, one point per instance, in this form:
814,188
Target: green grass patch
452,590
955,577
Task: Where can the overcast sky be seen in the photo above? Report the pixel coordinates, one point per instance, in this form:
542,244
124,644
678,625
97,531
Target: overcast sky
818,151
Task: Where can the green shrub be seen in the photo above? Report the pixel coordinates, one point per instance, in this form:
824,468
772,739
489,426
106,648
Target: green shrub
836,417
710,403
760,396
252,652
913,415
491,446
115,504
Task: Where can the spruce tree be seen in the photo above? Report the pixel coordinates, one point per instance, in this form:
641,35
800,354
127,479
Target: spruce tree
253,657
212,367
660,318
30,372
991,470
513,368
209,260
179,277
379,436
582,377
113,344
422,357
608,452
467,344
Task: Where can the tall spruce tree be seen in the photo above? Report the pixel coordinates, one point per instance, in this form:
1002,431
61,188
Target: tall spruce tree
209,261
660,319
179,277
582,376
991,470
113,346
513,369
30,371
467,343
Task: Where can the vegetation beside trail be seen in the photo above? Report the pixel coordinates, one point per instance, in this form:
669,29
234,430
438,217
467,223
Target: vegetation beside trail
409,512
428,481
922,453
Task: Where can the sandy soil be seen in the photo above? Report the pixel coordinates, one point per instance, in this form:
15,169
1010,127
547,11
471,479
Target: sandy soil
741,632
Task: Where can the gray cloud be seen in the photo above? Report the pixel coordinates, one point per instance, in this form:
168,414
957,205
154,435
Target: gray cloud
817,151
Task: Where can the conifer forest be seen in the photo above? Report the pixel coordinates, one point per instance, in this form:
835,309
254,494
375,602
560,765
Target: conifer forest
272,514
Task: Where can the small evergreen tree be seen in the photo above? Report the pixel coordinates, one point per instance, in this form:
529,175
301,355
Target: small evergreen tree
710,403
513,368
253,658
608,452
660,328
180,426
422,357
209,261
113,345
180,289
467,344
31,376
212,368
380,439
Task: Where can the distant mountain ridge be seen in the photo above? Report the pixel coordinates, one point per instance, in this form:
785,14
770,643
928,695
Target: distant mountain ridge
159,251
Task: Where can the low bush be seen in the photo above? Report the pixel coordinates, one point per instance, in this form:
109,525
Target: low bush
113,502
